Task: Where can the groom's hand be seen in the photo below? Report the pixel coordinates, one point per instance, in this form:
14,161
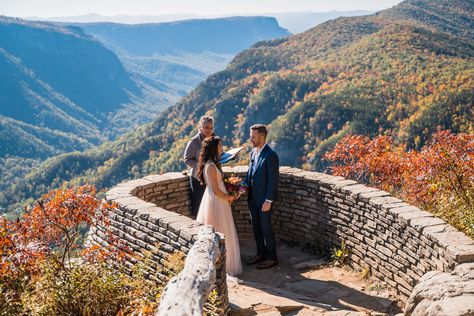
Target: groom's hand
266,206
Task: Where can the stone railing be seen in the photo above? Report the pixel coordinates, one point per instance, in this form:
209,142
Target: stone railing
192,286
399,243
151,215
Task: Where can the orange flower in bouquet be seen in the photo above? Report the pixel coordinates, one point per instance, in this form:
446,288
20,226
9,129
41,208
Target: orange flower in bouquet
235,185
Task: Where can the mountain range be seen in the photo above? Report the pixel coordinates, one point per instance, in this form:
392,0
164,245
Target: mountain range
406,72
295,22
177,56
63,81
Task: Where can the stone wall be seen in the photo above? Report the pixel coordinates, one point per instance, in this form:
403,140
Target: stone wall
151,215
397,241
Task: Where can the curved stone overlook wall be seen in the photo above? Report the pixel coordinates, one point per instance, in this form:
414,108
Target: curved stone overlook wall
399,242
151,215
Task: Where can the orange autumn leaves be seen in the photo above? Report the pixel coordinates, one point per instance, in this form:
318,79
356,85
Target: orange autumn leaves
439,178
51,230
45,269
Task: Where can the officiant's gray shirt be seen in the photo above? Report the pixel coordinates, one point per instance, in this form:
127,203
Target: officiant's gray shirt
192,152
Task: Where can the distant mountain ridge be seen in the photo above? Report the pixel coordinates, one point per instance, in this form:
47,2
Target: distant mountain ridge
395,72
176,56
225,35
295,22
121,18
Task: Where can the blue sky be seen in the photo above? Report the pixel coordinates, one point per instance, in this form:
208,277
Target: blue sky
52,8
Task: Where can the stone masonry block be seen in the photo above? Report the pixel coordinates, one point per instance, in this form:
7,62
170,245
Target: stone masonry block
420,223
409,216
356,189
453,238
367,196
378,202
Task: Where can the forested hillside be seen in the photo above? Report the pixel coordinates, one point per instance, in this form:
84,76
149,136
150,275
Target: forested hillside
177,56
68,87
403,72
58,85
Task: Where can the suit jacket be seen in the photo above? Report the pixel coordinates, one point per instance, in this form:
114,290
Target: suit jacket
192,152
263,183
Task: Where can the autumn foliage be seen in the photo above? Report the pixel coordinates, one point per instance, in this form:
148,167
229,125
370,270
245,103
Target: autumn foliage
50,230
46,270
438,178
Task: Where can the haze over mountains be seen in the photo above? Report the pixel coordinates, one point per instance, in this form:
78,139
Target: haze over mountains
405,71
295,22
179,55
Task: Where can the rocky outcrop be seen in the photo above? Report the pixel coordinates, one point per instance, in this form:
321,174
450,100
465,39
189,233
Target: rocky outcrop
442,293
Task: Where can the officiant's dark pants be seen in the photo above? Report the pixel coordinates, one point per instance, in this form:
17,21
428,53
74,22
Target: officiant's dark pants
197,191
263,232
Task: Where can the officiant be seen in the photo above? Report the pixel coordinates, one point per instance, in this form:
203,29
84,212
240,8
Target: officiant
191,156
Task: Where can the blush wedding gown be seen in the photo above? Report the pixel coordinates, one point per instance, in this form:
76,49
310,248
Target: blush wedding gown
216,211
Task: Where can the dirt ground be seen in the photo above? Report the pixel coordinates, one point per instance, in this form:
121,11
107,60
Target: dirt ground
303,284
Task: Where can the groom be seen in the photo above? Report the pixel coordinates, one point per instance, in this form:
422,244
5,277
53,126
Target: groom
262,178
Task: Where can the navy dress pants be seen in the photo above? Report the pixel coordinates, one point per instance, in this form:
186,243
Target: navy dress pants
263,232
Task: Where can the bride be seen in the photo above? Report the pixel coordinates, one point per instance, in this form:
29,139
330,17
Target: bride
215,205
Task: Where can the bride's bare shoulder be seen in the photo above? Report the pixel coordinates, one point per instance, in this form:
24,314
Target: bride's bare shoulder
212,165
212,168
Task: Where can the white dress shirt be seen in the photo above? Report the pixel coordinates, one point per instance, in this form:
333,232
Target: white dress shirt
256,157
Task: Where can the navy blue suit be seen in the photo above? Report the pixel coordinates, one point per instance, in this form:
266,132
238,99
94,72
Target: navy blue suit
262,186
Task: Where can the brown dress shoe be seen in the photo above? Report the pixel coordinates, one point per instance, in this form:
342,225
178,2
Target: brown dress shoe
255,259
267,264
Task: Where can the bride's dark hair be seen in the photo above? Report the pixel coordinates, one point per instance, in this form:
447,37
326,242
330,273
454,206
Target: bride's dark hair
209,152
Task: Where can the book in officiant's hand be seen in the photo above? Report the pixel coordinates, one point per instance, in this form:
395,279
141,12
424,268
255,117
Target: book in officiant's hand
231,154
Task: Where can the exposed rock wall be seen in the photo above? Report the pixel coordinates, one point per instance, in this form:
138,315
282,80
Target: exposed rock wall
444,293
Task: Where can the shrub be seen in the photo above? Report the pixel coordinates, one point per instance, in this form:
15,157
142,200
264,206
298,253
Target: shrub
439,178
44,271
340,257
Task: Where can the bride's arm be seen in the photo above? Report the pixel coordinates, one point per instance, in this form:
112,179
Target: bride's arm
214,184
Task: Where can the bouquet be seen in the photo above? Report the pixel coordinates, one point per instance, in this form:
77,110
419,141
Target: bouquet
235,186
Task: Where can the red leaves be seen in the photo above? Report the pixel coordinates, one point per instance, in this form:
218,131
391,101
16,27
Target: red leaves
446,164
19,255
52,229
439,178
365,160
59,214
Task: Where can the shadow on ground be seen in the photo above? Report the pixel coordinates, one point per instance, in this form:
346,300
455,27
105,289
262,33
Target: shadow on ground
286,290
